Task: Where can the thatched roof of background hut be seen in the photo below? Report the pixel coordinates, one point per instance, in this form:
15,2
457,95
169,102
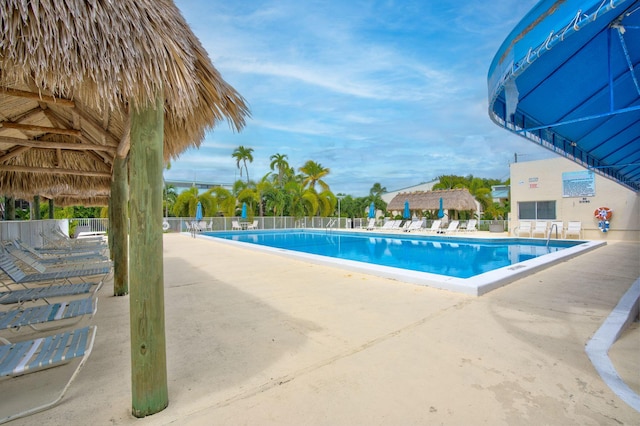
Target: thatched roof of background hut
70,72
453,199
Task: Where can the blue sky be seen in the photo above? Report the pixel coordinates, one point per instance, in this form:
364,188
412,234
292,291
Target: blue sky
377,91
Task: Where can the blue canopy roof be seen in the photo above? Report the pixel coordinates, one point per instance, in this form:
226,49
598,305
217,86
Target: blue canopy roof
568,78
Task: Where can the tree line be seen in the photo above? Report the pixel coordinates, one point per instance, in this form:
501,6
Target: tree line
287,191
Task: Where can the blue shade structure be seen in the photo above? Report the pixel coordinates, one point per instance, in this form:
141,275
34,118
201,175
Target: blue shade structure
199,211
568,78
244,211
407,212
441,211
372,210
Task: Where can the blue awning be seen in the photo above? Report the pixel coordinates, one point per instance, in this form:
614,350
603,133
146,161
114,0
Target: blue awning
568,78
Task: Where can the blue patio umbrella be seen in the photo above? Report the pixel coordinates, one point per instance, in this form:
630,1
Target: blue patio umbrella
441,211
372,211
407,213
244,211
199,211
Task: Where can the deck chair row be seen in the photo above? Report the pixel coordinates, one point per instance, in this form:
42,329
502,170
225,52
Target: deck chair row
33,305
545,229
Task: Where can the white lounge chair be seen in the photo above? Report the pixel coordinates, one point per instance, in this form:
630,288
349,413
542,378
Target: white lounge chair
435,226
540,229
253,225
395,224
20,276
36,293
49,315
371,225
388,224
574,228
472,225
556,229
30,356
235,226
416,224
523,228
453,226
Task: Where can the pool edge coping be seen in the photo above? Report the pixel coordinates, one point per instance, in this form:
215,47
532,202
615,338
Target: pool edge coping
474,286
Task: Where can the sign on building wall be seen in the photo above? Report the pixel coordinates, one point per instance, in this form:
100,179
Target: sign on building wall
578,184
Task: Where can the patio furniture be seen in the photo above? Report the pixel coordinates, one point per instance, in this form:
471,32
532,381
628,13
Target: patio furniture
30,356
556,229
540,229
523,228
36,293
48,314
574,228
435,226
453,226
472,225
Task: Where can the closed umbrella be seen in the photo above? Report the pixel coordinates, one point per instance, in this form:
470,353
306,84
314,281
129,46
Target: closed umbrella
199,211
372,211
441,211
407,213
243,216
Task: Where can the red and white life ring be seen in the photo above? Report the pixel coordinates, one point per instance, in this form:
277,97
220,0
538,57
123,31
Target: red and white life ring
603,213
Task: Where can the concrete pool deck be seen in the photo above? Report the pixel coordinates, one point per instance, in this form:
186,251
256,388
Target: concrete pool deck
259,339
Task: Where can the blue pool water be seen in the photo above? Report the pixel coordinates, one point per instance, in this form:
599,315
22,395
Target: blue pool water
453,257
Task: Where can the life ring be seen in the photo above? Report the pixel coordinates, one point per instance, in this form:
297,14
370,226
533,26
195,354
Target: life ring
603,213
165,226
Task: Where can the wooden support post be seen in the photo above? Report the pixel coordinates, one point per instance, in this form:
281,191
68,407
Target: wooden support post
118,227
9,208
36,208
110,219
146,283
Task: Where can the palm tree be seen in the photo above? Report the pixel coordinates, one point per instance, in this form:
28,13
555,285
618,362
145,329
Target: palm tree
375,195
225,201
187,201
279,161
303,201
243,154
275,200
327,202
313,173
170,197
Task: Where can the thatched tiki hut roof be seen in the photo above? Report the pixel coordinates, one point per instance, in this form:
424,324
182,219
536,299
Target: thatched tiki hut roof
453,199
70,71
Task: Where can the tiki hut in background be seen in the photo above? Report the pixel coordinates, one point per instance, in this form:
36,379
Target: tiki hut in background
453,200
95,96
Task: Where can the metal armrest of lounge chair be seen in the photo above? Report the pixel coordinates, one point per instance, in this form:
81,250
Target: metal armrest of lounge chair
32,355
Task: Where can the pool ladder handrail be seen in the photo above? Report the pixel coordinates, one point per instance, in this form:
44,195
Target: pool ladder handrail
330,225
553,225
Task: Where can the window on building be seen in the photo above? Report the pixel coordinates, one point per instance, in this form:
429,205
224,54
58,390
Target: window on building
537,210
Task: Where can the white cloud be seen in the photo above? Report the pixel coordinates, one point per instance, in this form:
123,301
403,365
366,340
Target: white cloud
378,92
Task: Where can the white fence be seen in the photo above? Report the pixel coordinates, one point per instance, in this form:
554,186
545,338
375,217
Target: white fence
30,230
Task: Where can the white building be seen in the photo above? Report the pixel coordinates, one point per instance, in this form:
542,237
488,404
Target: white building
559,189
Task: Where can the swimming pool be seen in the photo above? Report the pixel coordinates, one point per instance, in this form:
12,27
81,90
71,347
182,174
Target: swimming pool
469,265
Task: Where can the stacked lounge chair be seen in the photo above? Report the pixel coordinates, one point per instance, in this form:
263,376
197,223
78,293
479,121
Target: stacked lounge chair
29,306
